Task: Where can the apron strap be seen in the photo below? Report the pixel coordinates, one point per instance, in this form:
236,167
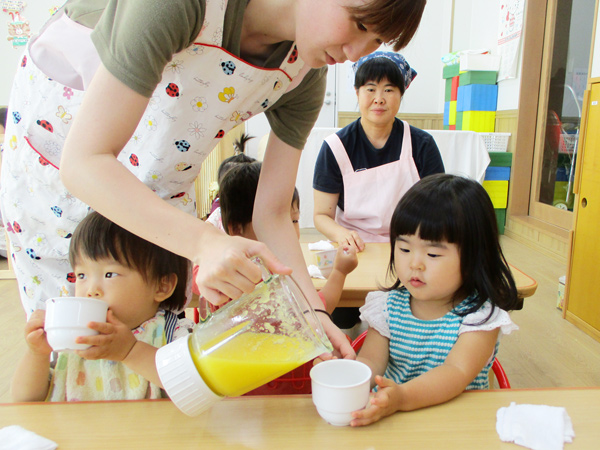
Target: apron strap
336,146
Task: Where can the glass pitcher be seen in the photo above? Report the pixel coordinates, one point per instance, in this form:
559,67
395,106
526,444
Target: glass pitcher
243,345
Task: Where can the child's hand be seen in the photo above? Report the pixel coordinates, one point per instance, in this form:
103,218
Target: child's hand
35,336
114,341
345,259
382,404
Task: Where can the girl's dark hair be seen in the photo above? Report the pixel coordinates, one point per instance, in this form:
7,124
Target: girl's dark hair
396,21
458,210
378,69
96,238
237,192
240,157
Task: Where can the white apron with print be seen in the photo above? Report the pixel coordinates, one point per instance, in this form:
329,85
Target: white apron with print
371,195
204,92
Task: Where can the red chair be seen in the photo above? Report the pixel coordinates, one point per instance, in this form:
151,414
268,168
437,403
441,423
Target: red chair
496,366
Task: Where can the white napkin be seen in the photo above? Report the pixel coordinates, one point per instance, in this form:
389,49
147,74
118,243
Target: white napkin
314,272
321,245
15,437
538,427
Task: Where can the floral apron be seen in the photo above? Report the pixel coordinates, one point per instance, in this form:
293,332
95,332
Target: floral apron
371,195
205,91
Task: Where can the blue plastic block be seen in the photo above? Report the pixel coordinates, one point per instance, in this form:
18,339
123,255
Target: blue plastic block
446,113
477,97
497,173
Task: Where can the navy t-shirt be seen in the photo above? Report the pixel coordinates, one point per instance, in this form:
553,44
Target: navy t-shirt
363,155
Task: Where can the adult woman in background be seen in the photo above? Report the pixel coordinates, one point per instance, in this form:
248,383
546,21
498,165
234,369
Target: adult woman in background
363,170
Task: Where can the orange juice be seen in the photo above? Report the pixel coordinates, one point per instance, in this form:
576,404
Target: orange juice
248,361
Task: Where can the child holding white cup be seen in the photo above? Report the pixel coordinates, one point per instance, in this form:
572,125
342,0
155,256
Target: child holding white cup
142,283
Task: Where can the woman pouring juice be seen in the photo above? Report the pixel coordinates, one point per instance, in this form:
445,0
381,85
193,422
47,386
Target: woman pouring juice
117,103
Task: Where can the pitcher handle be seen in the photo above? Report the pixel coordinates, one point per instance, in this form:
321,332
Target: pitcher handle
266,273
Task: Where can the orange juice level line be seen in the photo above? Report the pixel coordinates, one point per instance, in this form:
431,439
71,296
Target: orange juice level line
249,361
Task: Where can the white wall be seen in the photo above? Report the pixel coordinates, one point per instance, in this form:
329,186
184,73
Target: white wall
596,50
36,12
476,25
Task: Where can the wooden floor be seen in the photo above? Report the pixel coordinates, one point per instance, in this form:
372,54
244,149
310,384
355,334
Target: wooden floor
547,350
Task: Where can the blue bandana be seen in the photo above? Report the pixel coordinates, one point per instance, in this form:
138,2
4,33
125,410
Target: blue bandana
408,73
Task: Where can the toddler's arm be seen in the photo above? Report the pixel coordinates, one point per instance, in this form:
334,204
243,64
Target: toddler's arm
469,355
116,342
31,379
345,262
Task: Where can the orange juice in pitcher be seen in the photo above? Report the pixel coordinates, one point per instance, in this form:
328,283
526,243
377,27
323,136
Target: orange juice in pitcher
245,344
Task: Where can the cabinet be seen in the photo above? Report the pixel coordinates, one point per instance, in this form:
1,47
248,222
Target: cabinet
582,289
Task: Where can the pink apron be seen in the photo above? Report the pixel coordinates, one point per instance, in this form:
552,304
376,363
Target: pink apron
204,92
371,195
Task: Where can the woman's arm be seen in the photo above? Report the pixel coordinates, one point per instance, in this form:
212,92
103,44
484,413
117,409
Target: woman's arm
324,218
91,171
468,356
272,225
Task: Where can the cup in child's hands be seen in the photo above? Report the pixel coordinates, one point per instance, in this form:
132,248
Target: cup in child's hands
325,261
68,317
339,387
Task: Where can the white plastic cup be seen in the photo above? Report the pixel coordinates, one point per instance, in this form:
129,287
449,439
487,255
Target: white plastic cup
339,387
325,261
68,317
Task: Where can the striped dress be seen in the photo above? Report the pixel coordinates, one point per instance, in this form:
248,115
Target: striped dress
417,346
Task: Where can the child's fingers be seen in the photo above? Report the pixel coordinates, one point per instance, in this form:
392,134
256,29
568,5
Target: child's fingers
101,327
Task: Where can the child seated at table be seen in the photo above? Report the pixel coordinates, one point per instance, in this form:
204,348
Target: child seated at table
435,331
142,283
240,157
237,193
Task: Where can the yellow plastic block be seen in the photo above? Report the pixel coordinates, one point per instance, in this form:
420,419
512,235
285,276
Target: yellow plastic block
498,192
480,121
452,113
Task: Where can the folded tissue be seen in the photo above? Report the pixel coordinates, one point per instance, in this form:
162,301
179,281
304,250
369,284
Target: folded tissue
15,437
321,245
315,272
538,427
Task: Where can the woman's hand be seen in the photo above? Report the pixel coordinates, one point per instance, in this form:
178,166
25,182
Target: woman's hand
351,238
340,342
35,336
382,404
225,268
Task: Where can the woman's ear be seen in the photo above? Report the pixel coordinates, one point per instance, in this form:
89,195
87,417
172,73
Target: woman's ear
165,287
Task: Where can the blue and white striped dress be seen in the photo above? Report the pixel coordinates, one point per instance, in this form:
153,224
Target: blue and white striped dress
417,346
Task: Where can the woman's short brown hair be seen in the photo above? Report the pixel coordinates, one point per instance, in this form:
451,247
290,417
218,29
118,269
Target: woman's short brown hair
396,21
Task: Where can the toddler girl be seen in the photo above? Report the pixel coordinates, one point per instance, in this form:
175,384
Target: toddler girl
141,283
435,332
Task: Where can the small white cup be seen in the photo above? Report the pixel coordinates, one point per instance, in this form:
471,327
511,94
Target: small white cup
325,261
67,318
339,387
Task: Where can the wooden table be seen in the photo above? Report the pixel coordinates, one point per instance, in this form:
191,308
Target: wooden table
372,270
292,422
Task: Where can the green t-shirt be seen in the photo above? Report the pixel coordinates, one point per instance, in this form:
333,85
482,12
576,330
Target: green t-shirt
137,38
